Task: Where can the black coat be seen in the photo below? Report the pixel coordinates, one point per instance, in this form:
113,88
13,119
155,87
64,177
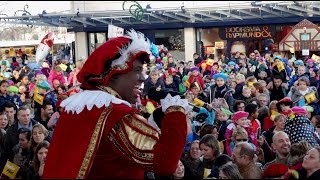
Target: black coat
148,84
11,139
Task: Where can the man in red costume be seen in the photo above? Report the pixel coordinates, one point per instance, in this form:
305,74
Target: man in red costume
100,134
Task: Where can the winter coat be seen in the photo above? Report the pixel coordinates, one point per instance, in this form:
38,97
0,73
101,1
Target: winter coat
148,84
53,75
300,128
296,95
226,93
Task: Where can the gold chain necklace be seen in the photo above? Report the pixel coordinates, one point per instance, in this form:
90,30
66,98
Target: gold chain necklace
110,91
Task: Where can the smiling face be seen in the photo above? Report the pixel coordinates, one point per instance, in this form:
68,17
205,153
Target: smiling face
127,85
3,121
281,143
195,152
179,173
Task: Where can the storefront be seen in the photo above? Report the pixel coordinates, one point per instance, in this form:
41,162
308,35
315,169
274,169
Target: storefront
244,39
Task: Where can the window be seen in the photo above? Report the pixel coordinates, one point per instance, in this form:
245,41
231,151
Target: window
95,40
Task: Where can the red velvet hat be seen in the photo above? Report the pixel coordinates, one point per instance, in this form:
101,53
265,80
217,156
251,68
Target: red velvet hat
115,56
275,171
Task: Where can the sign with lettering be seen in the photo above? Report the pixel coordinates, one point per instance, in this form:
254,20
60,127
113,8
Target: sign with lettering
219,45
247,32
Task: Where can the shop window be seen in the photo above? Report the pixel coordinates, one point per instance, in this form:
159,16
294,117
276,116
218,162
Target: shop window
95,40
172,39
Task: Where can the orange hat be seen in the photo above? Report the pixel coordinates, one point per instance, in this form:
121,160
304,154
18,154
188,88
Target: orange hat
115,56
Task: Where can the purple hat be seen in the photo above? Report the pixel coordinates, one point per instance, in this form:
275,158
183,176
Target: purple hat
194,69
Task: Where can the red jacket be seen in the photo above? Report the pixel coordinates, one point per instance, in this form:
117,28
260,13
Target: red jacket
111,143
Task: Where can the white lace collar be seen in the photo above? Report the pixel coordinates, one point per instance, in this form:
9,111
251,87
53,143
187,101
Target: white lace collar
76,103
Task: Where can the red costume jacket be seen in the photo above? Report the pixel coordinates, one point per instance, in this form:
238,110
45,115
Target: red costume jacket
197,79
113,141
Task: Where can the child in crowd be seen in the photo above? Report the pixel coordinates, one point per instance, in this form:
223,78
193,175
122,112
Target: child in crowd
196,76
240,119
255,125
223,120
240,80
169,85
154,80
246,95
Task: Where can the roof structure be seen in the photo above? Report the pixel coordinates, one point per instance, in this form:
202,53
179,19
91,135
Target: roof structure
304,35
236,13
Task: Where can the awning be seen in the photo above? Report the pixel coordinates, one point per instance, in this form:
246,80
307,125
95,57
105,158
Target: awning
236,11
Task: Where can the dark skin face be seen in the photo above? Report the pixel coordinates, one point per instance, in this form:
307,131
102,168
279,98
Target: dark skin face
124,84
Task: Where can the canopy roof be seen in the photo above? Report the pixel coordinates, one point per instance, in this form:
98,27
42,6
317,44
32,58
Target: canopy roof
222,14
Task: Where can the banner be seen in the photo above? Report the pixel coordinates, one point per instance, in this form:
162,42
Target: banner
10,170
115,31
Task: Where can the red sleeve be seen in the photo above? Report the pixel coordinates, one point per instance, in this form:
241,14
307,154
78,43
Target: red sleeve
146,147
171,143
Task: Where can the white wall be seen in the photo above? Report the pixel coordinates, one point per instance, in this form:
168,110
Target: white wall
81,45
189,43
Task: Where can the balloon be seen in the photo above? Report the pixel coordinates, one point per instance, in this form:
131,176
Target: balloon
154,50
44,47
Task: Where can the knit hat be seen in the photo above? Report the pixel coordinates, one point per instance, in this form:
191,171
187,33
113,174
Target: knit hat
115,56
298,63
13,89
220,75
194,69
231,63
238,115
308,108
44,85
310,61
172,71
275,171
299,110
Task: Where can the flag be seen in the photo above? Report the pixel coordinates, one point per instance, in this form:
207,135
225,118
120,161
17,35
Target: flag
37,97
63,67
10,170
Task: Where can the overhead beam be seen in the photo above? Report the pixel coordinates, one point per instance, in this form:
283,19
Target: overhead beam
303,9
209,15
145,21
230,14
101,20
174,17
288,11
189,16
122,20
158,17
83,21
270,11
249,13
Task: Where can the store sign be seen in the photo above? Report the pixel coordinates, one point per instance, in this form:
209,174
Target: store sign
114,31
246,32
219,45
305,52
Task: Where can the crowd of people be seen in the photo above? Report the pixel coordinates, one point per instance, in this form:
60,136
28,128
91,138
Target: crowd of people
253,117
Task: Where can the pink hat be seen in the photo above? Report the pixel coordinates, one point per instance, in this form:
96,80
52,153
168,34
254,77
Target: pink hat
299,110
310,61
238,115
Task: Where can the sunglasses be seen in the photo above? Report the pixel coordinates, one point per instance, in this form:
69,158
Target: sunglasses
239,140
